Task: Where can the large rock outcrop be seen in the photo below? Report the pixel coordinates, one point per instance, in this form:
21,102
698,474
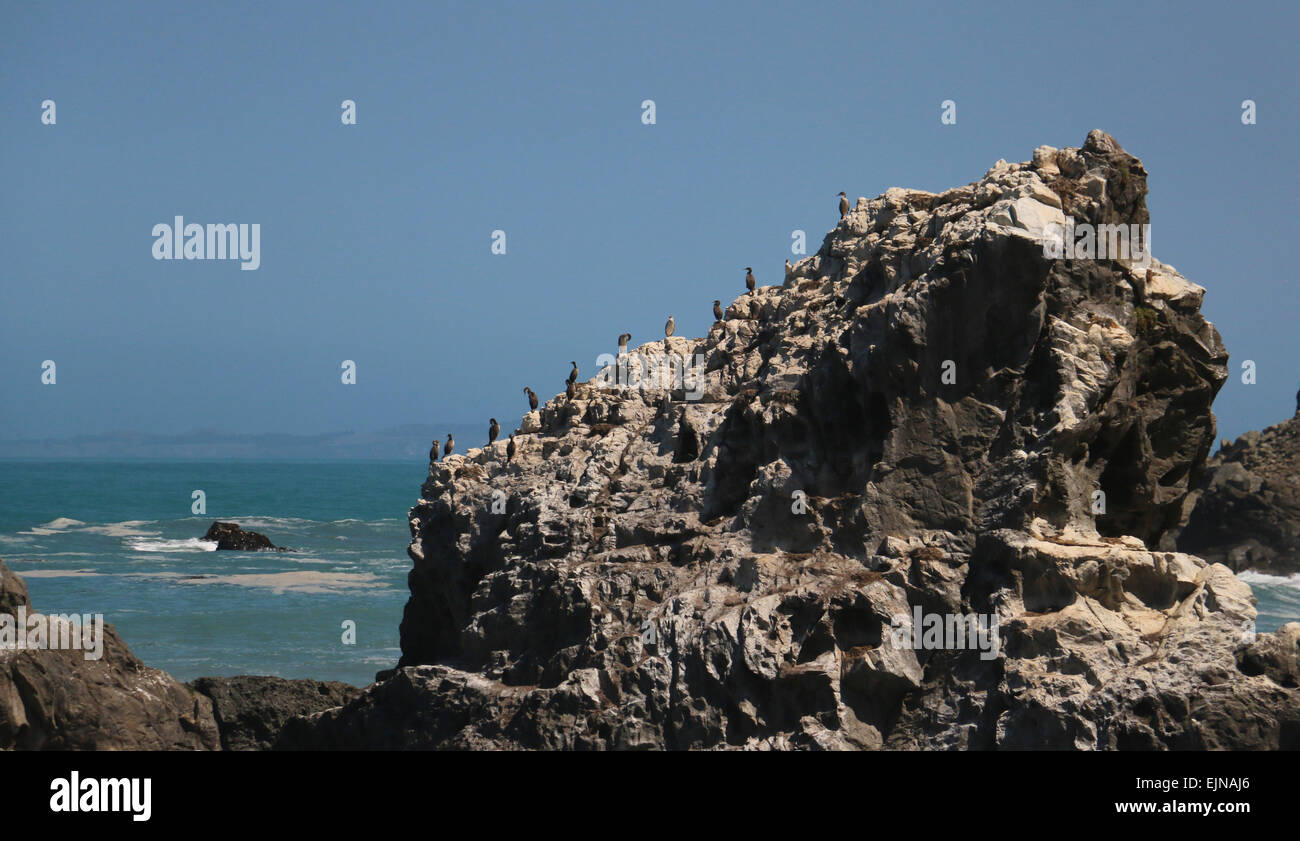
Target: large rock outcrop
1247,513
930,417
57,699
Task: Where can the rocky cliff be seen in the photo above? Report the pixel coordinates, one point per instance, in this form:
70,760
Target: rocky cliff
931,417
1247,512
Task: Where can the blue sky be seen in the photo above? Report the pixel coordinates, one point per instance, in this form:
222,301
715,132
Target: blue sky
525,117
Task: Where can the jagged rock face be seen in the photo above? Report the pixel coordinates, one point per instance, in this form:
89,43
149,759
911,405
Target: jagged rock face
1247,513
918,419
56,699
250,710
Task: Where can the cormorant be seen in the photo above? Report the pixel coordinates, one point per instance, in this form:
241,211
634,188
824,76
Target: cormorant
449,446
717,310
510,448
749,279
494,429
532,398
622,343
573,375
844,205
669,327
433,452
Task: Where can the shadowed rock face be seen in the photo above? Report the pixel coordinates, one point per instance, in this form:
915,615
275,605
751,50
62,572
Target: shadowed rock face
922,416
231,537
1247,514
250,709
58,700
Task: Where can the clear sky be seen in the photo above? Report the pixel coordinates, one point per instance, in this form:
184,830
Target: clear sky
526,117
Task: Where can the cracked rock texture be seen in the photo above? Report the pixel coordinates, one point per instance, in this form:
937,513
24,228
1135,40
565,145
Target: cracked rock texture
928,415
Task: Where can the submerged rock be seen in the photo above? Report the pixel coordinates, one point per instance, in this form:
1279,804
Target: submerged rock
231,536
930,418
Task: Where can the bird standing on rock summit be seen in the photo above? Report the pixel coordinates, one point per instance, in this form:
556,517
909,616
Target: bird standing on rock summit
494,429
510,448
449,446
750,283
623,339
844,205
717,310
669,327
433,451
573,375
532,398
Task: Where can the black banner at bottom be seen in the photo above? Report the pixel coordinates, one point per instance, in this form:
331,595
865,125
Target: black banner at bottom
132,791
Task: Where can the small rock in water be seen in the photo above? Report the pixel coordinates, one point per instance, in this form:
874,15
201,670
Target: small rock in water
231,536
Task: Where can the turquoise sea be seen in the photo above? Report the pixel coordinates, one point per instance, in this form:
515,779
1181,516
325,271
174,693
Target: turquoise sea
119,538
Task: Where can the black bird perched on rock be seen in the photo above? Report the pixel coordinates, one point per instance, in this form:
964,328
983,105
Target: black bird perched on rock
749,279
449,446
622,343
433,451
717,310
510,448
494,429
844,205
573,375
532,398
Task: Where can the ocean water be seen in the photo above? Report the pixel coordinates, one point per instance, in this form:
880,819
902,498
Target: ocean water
119,538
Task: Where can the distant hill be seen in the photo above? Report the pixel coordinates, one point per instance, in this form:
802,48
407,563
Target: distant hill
396,443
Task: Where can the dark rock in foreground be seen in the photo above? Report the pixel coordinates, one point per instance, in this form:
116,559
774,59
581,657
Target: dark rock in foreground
58,700
930,415
251,709
1247,514
231,536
